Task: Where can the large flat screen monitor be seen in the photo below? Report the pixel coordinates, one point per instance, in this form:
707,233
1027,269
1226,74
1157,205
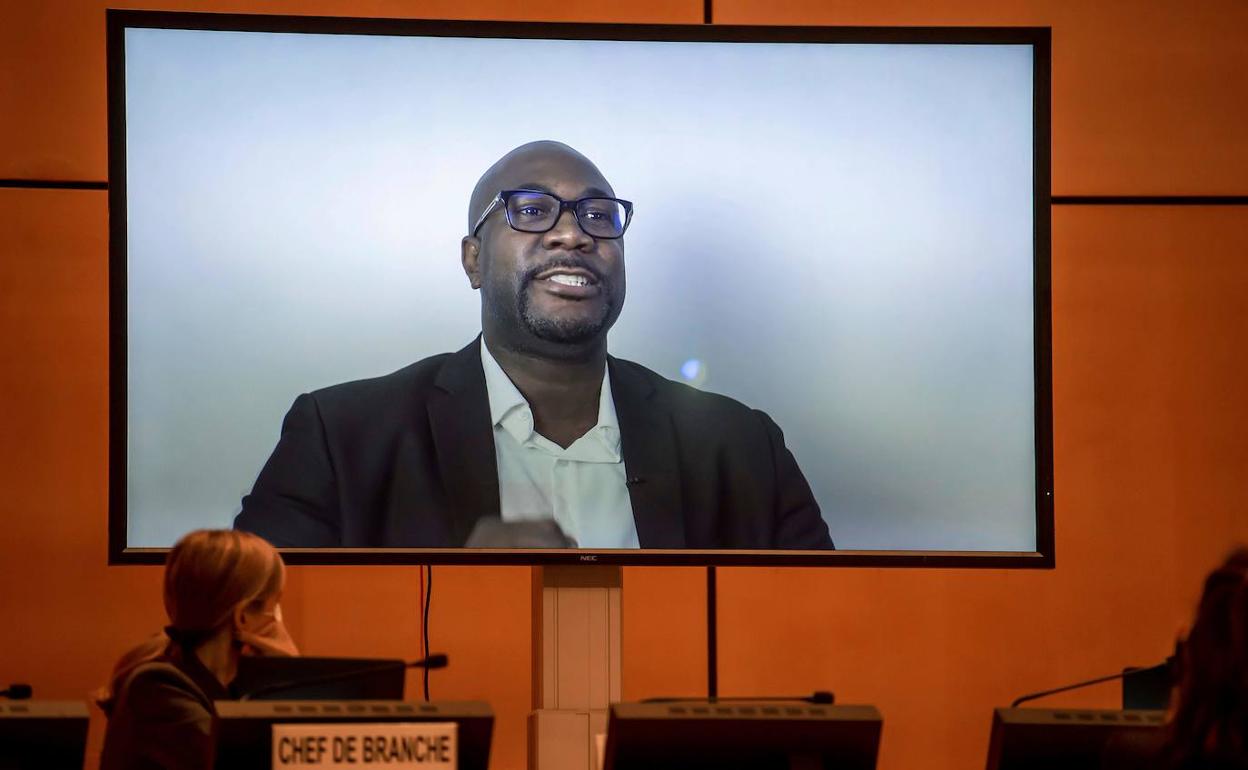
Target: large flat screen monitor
363,273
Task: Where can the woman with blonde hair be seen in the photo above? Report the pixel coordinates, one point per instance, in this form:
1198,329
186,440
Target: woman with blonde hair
1208,728
222,590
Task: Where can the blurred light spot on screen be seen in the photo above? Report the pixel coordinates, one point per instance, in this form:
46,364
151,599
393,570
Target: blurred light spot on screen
694,372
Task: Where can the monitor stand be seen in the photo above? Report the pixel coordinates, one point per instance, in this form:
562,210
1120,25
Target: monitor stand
576,663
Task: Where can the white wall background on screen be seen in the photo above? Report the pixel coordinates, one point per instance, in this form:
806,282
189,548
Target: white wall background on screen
841,235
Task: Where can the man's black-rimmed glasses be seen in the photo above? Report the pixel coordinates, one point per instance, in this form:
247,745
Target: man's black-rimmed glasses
532,211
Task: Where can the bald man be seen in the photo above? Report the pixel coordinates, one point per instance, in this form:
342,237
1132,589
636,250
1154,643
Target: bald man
532,436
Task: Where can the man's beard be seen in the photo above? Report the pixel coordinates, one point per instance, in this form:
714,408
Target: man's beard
568,331
563,330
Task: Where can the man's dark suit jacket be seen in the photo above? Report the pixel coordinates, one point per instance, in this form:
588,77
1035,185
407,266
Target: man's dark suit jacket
407,461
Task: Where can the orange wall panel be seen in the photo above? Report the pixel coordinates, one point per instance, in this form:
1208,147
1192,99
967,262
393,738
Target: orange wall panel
664,645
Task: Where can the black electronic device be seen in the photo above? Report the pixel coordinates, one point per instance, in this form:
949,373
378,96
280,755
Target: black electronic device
1072,739
760,735
47,735
305,678
1148,688
907,123
245,728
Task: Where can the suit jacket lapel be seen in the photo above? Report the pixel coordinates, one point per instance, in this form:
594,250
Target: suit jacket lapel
463,438
648,443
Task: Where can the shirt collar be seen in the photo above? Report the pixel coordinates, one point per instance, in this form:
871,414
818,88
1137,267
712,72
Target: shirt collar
510,411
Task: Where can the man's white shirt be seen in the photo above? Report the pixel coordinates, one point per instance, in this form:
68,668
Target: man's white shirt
582,487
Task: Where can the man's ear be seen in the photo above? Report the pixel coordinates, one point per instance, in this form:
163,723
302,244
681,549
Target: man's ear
470,257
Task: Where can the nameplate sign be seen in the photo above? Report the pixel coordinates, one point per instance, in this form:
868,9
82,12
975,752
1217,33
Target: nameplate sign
395,745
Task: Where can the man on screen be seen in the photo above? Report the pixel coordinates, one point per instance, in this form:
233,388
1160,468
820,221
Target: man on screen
532,436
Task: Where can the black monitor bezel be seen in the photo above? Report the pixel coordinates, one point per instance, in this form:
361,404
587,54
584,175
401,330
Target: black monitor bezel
1037,37
703,733
1025,738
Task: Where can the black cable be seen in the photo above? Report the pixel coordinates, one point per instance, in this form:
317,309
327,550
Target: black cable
52,184
424,624
1149,200
1033,696
712,636
432,661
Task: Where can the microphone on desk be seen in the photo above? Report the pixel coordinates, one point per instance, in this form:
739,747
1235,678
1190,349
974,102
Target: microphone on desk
821,697
1169,663
18,692
437,660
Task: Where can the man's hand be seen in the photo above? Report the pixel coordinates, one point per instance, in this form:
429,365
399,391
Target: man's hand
493,532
